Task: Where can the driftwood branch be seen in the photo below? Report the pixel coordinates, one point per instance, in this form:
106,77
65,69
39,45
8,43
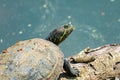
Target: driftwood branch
102,63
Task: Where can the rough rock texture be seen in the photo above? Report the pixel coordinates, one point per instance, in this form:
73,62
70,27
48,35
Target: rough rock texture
38,59
103,63
31,60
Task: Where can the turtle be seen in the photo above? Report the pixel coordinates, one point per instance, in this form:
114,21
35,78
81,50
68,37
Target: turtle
37,59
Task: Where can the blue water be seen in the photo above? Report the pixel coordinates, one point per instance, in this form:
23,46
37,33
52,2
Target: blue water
97,22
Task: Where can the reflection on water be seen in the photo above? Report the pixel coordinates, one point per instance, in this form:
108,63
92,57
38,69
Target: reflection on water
96,22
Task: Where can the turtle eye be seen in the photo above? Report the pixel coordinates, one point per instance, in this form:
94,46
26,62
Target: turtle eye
65,26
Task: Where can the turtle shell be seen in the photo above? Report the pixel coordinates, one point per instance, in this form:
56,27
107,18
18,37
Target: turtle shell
34,59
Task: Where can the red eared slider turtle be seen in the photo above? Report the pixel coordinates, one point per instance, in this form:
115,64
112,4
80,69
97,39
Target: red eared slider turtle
37,59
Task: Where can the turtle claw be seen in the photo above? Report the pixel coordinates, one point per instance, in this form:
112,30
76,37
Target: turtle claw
72,71
75,72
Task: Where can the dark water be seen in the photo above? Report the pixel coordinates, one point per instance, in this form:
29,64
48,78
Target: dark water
97,22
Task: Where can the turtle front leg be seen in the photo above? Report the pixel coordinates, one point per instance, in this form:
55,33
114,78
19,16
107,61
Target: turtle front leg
73,72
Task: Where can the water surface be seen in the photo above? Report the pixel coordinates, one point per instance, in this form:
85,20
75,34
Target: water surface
97,22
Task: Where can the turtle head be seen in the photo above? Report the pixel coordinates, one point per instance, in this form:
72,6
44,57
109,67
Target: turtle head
60,34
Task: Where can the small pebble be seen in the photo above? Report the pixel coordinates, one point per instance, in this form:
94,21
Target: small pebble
69,17
20,32
29,25
1,40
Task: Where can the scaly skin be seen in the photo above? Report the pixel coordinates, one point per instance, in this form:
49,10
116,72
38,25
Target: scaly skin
60,34
57,36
